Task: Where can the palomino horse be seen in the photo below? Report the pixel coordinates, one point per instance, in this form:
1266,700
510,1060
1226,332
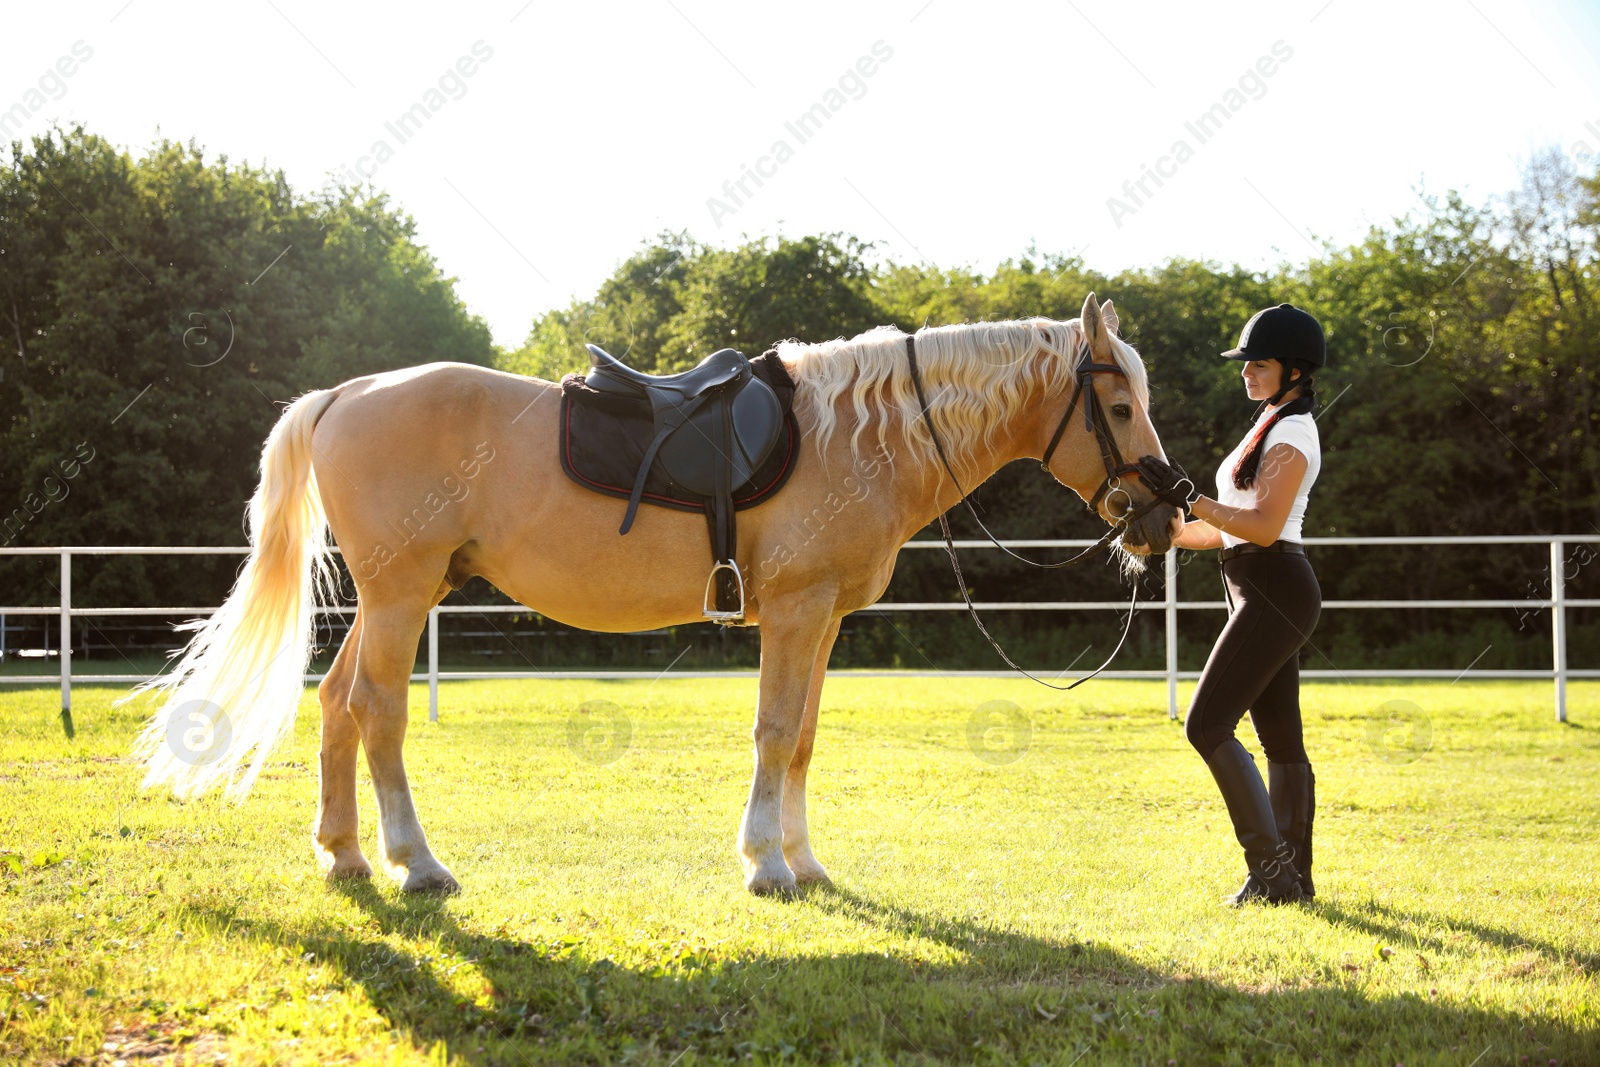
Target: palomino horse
431,475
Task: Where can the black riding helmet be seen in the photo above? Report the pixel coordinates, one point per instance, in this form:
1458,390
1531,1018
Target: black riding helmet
1287,334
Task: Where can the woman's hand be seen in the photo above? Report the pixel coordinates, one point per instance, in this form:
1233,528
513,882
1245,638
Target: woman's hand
1168,481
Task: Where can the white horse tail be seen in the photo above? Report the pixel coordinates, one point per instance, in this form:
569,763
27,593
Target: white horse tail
232,696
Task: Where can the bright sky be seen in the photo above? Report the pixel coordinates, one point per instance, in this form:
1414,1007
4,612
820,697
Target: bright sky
959,133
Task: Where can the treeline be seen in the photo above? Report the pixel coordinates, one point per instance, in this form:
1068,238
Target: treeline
1460,399
157,309
155,312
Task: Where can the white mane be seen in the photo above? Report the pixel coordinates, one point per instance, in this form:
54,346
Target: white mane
976,376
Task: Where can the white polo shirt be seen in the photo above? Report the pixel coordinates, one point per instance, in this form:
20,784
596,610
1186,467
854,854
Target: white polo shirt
1297,431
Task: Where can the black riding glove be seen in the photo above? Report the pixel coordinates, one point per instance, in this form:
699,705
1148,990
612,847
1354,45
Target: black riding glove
1170,482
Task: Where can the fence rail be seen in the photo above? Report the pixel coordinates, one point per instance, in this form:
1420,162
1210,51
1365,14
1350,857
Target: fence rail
1557,603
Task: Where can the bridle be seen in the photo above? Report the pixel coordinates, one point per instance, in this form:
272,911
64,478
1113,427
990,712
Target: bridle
1094,420
1116,469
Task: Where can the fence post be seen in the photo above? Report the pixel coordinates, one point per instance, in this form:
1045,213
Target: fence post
1558,624
1172,633
433,665
66,643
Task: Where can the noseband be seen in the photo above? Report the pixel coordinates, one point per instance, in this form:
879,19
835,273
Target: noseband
1095,421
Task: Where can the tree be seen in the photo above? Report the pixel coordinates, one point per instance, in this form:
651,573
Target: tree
159,310
628,316
675,302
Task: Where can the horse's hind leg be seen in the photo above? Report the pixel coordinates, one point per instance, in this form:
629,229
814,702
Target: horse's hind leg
388,651
796,838
790,637
337,836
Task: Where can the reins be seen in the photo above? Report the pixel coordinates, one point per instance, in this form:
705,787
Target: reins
1115,466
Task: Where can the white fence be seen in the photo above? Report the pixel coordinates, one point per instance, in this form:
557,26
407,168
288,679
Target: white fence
1556,602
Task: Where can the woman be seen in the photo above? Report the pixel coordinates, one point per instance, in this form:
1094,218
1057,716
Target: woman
1273,598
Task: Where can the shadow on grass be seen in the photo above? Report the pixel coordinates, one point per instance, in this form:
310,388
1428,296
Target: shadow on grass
972,992
1436,933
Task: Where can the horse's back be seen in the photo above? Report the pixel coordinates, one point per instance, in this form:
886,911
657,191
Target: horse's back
405,455
435,387
437,409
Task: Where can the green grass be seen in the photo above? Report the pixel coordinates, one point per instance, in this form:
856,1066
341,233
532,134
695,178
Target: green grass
1058,908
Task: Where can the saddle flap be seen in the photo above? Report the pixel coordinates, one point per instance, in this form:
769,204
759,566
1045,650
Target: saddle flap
690,456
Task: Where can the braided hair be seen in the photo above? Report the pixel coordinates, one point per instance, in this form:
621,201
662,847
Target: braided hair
1249,465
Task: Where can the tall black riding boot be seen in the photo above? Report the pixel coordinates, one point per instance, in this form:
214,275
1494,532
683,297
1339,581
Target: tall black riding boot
1293,789
1273,878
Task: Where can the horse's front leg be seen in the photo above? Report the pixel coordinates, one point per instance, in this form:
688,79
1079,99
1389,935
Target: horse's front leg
796,838
791,635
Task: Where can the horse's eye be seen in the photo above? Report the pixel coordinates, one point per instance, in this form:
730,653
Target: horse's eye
1122,411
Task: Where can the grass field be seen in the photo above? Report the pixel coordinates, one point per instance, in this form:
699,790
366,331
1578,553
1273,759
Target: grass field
1025,883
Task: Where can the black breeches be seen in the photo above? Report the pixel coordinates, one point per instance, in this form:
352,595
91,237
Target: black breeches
1255,664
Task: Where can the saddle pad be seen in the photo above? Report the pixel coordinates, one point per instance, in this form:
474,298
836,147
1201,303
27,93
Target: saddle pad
604,436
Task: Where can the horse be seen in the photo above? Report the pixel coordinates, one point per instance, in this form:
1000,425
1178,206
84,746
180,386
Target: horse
428,476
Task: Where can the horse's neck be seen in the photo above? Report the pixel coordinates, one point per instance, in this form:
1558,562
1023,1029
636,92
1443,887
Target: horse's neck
926,491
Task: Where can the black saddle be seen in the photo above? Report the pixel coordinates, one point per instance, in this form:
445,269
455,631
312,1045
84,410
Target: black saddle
610,374
713,428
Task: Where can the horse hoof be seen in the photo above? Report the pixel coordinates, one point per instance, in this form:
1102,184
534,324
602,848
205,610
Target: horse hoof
777,886
780,883
436,881
349,872
812,874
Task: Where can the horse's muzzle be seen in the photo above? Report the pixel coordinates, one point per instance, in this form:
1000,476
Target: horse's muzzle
1151,533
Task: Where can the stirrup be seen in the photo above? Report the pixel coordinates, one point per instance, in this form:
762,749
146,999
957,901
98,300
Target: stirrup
708,604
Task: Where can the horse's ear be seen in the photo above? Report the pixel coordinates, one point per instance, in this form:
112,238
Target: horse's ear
1108,315
1094,330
